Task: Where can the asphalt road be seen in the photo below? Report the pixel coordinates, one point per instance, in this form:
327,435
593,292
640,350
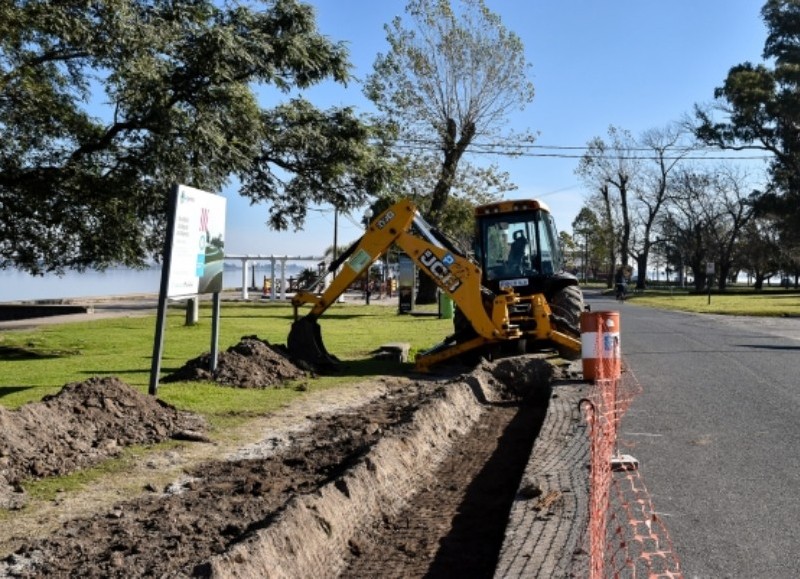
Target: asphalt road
717,433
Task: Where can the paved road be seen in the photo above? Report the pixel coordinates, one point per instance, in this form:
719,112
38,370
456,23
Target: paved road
717,433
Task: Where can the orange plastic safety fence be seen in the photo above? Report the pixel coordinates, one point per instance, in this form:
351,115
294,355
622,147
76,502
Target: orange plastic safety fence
625,536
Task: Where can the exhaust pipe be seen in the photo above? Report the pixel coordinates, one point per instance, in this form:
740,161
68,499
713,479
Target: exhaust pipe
305,343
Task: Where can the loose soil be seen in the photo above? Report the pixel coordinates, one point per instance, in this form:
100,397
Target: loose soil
81,426
393,477
252,363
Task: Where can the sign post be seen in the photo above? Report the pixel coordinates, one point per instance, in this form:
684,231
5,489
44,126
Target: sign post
709,278
406,281
194,253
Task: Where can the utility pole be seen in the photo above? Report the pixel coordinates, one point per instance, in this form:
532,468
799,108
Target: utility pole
335,232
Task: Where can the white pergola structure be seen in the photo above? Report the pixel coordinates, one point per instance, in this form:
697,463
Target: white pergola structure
273,259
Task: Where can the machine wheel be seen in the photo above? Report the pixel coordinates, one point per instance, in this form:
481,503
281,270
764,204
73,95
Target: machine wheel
567,305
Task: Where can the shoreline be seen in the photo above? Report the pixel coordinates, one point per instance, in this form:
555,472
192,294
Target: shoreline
136,304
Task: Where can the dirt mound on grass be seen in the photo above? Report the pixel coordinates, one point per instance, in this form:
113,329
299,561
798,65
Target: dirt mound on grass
80,426
252,363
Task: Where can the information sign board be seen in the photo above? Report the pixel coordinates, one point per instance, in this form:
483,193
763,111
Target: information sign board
198,243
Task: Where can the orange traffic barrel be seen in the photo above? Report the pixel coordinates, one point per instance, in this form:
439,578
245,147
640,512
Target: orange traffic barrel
600,345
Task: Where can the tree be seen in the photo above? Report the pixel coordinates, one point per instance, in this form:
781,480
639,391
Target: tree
589,235
105,105
451,77
609,169
665,150
732,209
761,109
307,157
570,249
790,259
685,226
761,250
472,186
708,211
632,176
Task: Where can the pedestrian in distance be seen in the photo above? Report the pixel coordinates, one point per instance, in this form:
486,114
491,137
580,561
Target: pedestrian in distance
621,284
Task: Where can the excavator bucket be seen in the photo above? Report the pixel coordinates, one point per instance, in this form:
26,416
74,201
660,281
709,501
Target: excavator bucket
305,343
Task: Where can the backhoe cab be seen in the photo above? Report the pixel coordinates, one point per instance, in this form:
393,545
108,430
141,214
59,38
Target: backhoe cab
517,247
491,312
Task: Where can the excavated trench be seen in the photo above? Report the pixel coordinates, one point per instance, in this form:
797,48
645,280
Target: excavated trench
415,482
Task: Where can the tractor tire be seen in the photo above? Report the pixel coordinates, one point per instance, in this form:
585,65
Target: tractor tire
567,306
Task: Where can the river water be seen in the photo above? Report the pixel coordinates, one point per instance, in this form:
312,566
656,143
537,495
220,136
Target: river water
20,286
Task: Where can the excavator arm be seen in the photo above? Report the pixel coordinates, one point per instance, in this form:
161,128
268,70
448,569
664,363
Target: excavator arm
380,235
454,273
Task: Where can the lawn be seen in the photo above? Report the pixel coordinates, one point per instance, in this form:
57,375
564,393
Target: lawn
735,302
39,362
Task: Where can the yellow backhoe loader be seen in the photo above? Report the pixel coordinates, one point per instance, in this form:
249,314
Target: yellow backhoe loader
511,296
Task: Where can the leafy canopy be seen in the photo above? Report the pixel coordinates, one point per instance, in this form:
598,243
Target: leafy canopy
104,105
762,109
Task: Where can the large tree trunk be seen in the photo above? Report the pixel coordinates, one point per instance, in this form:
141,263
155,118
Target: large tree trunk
453,151
612,249
625,240
641,266
698,269
724,274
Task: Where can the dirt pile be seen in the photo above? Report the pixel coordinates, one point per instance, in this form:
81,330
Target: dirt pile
172,531
252,363
524,378
82,425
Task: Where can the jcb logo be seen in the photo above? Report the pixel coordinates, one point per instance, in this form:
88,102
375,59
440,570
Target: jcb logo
439,270
385,219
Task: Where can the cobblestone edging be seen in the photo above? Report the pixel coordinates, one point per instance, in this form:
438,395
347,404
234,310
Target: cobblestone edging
548,517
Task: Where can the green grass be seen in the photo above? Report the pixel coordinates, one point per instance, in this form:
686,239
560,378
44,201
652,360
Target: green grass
39,362
737,301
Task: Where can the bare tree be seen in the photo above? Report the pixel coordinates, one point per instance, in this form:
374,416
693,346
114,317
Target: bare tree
609,168
684,225
707,213
733,208
664,150
452,75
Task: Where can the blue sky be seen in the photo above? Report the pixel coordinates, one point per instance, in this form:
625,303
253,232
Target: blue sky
634,64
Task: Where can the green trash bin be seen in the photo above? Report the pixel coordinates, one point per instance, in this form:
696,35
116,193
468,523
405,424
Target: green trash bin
445,306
